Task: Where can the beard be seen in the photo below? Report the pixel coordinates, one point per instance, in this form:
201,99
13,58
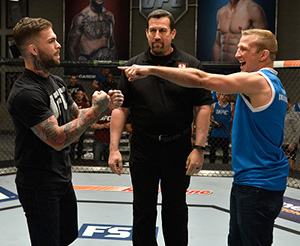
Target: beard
158,50
47,61
97,6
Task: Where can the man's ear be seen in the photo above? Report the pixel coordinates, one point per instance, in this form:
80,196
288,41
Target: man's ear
264,54
173,32
146,32
32,49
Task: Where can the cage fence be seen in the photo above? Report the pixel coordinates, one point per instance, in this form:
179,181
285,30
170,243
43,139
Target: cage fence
216,163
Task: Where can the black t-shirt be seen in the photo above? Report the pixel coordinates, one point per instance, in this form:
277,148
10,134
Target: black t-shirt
158,106
107,86
73,89
32,100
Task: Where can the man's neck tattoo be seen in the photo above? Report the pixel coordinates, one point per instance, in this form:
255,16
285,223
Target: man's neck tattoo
41,70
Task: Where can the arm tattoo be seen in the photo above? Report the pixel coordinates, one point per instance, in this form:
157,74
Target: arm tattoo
60,137
74,110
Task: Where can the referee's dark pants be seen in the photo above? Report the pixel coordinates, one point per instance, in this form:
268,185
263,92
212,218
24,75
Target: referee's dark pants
153,163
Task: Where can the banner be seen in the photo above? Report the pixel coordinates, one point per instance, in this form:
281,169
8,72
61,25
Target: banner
220,23
97,30
176,7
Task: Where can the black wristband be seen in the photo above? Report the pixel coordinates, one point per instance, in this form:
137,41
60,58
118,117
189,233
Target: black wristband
199,147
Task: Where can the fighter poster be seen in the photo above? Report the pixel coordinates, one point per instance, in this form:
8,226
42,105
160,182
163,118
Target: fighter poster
220,23
97,30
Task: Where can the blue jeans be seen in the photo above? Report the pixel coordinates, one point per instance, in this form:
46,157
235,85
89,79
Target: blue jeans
252,215
51,215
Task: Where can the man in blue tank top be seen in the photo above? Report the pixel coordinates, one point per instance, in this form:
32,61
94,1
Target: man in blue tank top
221,118
297,107
260,165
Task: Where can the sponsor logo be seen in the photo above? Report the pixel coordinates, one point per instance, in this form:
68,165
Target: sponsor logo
108,232
176,7
86,76
290,209
106,118
181,65
130,189
283,98
57,99
6,195
222,112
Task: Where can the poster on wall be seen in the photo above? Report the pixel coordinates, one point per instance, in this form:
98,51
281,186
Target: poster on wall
220,23
177,8
97,30
11,48
15,10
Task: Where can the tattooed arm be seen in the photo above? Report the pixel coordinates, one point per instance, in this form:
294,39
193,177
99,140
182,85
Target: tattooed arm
59,137
74,36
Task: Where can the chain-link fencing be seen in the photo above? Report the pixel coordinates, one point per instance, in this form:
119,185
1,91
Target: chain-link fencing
217,160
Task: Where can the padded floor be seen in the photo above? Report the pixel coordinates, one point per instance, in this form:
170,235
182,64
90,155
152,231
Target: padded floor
105,212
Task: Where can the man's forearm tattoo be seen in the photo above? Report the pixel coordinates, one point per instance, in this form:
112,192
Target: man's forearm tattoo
62,136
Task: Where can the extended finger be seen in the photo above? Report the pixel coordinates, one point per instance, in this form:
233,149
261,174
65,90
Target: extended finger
123,67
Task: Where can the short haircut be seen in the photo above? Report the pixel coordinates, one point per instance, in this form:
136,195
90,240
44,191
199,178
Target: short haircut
265,40
159,13
27,29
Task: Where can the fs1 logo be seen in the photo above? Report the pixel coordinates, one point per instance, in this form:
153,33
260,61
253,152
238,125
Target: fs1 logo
111,232
176,7
6,195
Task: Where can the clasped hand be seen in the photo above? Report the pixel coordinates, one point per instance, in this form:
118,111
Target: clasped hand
102,100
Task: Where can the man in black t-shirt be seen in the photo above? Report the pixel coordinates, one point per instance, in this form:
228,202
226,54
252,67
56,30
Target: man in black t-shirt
161,151
39,104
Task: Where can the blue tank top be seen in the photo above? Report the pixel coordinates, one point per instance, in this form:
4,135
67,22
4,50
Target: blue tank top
257,135
297,108
214,96
223,116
